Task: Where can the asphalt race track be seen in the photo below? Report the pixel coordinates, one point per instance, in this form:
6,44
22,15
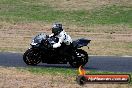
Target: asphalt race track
98,63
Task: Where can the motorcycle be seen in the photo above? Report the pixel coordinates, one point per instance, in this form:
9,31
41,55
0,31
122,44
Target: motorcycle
41,51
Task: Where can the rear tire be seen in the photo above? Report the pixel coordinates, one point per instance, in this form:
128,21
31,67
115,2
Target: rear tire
80,57
32,57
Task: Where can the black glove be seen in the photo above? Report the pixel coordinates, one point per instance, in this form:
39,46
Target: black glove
50,46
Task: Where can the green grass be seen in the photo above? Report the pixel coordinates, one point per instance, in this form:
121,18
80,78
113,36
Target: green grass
65,71
129,45
51,70
21,11
113,15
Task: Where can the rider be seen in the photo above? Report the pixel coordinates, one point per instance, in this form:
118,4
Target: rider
58,31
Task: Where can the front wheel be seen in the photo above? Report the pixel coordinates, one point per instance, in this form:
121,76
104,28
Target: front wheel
32,57
80,57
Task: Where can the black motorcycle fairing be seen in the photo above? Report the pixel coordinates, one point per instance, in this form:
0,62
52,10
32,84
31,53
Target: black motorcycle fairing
53,39
80,42
38,38
43,41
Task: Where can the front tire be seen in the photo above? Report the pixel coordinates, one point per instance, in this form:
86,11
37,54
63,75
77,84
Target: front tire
80,57
32,57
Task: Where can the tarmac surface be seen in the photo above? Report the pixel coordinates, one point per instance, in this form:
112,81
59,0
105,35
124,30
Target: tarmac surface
98,63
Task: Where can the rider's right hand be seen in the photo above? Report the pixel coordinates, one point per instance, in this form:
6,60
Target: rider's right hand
50,46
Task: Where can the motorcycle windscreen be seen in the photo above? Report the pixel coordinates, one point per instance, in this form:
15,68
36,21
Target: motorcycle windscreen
38,38
81,42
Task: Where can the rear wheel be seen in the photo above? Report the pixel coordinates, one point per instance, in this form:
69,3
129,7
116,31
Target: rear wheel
80,57
32,57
